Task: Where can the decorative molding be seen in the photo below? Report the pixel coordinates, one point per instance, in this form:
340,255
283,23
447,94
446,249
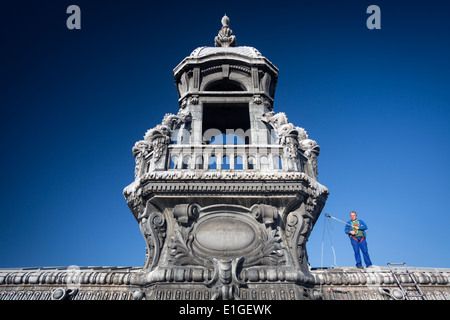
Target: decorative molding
198,243
102,283
124,276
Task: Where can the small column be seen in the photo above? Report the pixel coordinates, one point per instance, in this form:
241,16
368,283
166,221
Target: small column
196,109
259,132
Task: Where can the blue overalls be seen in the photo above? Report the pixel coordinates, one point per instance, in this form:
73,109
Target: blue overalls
359,244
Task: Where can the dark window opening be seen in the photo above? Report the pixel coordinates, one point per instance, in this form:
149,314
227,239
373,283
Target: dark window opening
226,121
225,85
199,162
251,163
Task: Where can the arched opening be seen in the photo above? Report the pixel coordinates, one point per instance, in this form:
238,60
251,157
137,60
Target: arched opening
251,163
225,85
277,162
173,162
238,163
174,136
199,162
212,163
225,163
264,163
186,160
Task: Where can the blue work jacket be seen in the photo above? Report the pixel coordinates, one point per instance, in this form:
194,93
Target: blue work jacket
362,227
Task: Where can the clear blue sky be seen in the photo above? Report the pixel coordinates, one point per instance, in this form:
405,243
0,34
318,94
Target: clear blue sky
74,102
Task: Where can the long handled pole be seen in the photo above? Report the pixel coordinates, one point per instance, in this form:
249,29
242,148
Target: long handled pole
328,216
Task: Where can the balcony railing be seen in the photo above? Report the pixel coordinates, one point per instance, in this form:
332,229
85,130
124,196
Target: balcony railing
228,157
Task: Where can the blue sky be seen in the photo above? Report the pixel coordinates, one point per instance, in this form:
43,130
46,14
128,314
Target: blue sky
74,102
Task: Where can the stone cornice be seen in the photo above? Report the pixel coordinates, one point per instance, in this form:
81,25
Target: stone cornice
378,276
124,276
257,181
66,276
124,283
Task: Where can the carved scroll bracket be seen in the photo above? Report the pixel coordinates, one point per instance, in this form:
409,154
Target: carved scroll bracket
153,228
298,225
264,213
183,213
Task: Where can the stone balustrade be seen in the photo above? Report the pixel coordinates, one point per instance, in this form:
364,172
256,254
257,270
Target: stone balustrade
229,157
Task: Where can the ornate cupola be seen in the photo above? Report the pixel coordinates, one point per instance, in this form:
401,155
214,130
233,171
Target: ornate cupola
226,88
226,191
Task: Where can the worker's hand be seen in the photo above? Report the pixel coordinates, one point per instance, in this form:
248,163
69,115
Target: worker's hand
356,228
352,232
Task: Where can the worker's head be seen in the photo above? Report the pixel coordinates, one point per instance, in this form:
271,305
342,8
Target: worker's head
353,215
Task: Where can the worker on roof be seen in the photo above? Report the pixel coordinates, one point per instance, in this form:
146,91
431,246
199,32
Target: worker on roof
356,230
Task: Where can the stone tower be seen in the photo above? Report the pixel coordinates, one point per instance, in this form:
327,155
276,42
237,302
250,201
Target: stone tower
226,191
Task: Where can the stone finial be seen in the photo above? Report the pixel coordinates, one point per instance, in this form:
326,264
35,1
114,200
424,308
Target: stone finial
225,21
225,38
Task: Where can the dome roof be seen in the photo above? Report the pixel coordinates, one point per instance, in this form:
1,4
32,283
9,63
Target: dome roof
242,51
225,48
